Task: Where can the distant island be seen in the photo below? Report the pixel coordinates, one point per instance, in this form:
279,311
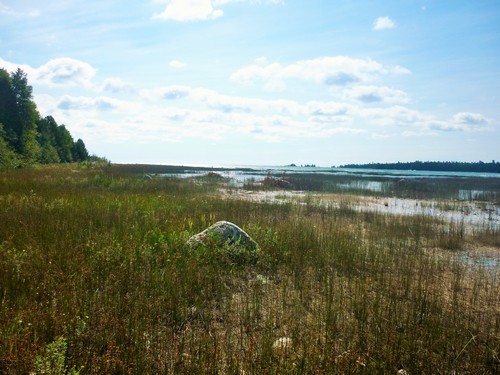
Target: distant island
438,166
302,166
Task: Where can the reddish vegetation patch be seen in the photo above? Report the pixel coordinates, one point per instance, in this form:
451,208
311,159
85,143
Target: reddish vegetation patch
270,181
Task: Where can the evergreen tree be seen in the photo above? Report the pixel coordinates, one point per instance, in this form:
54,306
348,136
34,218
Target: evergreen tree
27,117
64,144
7,156
47,130
8,111
80,152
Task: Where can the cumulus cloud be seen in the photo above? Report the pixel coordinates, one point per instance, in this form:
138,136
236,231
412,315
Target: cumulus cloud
330,71
468,118
198,111
417,123
383,23
82,103
198,10
271,2
220,102
172,92
189,10
63,71
376,94
11,67
116,85
462,121
315,108
397,115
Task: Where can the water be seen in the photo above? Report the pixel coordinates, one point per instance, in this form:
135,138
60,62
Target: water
369,180
388,173
481,261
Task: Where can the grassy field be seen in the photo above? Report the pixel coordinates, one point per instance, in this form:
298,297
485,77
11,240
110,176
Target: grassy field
95,279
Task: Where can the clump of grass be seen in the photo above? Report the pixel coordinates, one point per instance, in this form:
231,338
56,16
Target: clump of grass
489,236
96,258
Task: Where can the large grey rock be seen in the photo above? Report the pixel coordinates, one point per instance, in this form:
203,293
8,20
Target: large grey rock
226,236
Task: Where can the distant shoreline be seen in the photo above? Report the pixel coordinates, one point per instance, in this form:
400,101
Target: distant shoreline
432,166
370,170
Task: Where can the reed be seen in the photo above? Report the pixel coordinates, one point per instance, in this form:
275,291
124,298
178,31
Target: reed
95,279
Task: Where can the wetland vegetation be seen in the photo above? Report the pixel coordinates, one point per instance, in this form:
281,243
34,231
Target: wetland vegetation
95,277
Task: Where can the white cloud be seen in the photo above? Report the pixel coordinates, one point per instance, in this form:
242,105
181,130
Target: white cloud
398,116
172,92
416,123
82,103
468,118
329,109
197,10
116,85
189,10
376,94
221,102
175,112
383,23
257,2
11,67
463,121
331,71
63,71
177,64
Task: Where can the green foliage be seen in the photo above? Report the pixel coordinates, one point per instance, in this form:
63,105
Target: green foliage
53,361
27,115
79,151
8,111
7,156
32,139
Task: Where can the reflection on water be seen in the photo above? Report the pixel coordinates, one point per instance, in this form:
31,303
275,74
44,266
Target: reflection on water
481,261
366,185
471,214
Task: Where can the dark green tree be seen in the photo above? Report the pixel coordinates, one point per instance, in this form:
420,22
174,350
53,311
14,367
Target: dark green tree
27,116
8,111
47,132
80,152
8,157
64,144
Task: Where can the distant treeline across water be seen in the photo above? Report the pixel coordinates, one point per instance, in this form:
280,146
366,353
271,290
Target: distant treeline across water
442,166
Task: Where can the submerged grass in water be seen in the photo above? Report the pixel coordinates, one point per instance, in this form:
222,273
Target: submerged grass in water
96,260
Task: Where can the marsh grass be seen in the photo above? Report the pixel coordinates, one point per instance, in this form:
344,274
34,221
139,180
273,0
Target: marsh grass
448,188
94,258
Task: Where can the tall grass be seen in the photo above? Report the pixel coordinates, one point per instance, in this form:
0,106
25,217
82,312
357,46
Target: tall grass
95,259
459,188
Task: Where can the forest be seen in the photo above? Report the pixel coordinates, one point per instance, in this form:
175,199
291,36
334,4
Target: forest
25,136
438,166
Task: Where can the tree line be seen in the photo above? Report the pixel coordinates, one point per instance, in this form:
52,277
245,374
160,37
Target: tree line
439,166
25,136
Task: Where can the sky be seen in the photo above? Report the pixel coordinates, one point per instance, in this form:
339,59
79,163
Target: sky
264,82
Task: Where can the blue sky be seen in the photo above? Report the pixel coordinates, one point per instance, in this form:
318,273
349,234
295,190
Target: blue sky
252,82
